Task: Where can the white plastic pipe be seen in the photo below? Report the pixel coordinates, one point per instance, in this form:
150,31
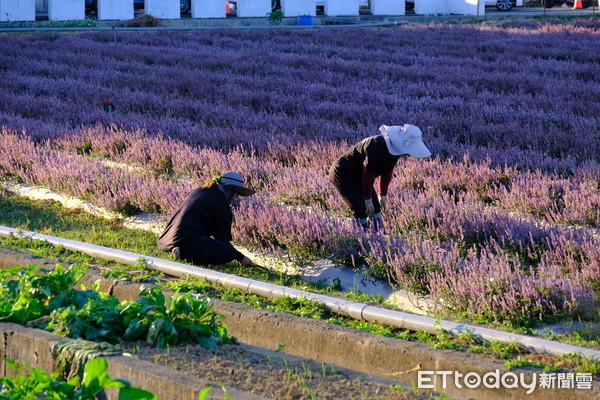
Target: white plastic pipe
348,308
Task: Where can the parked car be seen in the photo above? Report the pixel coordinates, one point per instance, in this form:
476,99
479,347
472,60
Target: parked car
92,5
502,5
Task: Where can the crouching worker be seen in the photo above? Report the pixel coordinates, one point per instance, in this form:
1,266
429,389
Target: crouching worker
200,230
354,173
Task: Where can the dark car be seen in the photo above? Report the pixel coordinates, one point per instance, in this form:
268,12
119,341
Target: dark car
91,6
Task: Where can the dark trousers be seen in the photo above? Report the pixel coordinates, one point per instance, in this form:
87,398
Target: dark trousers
204,250
350,189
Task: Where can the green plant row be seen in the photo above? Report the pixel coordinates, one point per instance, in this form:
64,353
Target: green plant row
81,23
38,384
50,301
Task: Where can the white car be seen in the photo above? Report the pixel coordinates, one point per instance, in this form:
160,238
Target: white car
502,5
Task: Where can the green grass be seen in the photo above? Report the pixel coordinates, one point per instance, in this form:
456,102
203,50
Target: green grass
497,349
521,363
587,336
50,218
583,364
82,23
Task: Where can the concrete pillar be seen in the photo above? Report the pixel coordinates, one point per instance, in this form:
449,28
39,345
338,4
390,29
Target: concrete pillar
208,9
115,9
165,9
66,10
17,10
388,7
466,7
253,8
432,7
296,8
334,8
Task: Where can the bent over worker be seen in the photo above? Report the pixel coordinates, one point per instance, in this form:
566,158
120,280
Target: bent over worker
354,173
200,229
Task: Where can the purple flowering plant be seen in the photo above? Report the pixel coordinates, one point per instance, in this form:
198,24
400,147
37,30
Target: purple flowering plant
500,224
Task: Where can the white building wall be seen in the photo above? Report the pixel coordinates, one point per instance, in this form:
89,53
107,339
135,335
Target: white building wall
388,7
466,7
431,7
253,8
334,8
296,8
208,9
166,9
115,9
24,10
66,10
17,10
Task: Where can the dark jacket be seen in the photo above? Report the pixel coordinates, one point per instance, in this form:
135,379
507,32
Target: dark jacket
204,212
370,155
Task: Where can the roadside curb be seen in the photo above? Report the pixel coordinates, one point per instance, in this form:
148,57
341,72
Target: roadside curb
387,358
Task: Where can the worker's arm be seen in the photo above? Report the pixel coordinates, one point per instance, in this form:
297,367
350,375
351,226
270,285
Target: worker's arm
368,179
384,182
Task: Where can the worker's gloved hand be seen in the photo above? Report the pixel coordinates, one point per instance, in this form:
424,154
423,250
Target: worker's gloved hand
370,207
246,262
383,201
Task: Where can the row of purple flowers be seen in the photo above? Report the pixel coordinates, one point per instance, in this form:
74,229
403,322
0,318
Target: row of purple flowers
444,218
534,103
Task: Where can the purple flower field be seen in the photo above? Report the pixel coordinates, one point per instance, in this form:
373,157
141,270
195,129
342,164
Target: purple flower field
501,224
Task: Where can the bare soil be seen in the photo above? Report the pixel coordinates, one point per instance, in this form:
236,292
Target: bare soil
274,375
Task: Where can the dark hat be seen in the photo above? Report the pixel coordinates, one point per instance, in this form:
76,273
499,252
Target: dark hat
235,182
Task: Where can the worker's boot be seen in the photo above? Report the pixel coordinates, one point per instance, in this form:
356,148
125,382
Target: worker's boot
176,253
362,222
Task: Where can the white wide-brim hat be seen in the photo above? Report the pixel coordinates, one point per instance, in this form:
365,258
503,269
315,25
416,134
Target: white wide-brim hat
405,139
235,182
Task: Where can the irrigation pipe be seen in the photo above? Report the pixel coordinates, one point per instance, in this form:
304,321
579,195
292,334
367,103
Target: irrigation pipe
343,307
